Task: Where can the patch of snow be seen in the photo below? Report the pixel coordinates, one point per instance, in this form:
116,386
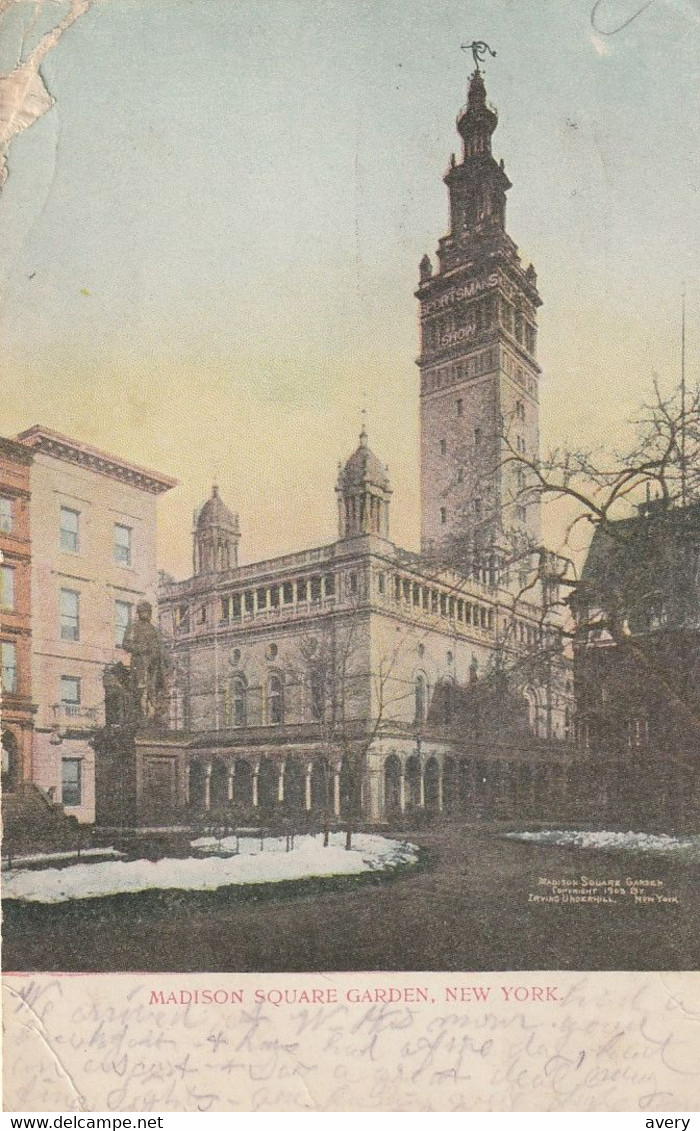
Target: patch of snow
687,847
40,857
249,866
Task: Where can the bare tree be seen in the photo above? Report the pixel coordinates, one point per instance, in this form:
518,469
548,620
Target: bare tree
351,695
604,495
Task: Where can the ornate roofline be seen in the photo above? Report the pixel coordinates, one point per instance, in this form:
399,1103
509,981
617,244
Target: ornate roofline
47,442
14,451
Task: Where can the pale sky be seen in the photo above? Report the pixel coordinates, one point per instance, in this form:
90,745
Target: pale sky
212,239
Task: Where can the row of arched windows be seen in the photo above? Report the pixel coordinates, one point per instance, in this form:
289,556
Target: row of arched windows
237,701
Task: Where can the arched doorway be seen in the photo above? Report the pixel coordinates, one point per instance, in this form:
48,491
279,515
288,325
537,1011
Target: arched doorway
432,785
321,786
412,782
10,762
392,786
198,789
267,784
449,785
465,784
293,786
242,784
347,788
218,785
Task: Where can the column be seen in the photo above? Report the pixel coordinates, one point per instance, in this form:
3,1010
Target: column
187,784
230,780
280,783
402,789
256,771
336,791
422,786
207,786
440,801
307,787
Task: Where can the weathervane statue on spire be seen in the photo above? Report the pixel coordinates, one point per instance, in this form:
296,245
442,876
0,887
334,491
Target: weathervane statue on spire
478,49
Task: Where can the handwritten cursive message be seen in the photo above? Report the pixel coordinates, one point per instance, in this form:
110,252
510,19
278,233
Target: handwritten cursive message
351,1042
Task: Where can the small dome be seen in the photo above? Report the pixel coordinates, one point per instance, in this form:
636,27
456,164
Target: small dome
215,513
363,467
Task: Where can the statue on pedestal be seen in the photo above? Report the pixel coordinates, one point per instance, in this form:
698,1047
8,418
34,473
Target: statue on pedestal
147,673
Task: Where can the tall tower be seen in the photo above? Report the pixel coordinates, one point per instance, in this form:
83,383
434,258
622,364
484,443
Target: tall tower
479,375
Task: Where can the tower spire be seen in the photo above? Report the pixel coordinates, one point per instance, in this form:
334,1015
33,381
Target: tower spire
478,354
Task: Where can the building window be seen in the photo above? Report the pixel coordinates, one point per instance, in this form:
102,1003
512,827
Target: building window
380,583
122,544
352,584
202,614
329,585
249,601
6,516
70,614
443,515
9,667
448,702
477,508
70,529
71,781
460,407
288,593
122,620
275,700
238,701
236,606
443,447
70,694
316,693
182,618
301,591
7,587
460,475
420,698
261,598
315,588
477,438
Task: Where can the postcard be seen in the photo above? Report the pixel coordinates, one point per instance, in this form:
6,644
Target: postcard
350,555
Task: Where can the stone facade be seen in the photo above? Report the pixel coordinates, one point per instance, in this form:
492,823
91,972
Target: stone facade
479,373
93,558
16,707
328,679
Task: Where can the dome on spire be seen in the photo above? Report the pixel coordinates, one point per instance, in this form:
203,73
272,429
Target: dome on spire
363,467
215,513
216,536
477,120
363,493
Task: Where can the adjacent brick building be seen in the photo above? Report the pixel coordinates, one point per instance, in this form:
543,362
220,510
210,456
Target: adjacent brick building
16,708
93,558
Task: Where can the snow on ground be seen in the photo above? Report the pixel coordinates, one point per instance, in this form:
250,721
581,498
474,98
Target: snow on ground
40,857
685,847
206,873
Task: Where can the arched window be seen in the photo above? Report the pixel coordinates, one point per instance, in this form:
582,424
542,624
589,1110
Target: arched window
316,697
275,699
421,694
448,701
10,761
238,702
